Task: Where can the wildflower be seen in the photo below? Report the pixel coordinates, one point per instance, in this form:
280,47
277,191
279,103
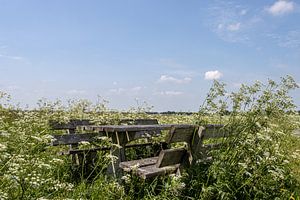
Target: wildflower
84,143
37,138
2,147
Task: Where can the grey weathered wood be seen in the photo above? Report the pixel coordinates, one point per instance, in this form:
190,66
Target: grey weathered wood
216,131
169,160
296,132
200,151
72,124
121,136
134,164
180,134
170,157
139,121
117,152
104,148
135,128
153,171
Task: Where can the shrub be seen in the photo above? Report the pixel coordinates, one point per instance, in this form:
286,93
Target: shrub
255,162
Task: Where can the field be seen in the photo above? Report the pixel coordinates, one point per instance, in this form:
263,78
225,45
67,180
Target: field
261,163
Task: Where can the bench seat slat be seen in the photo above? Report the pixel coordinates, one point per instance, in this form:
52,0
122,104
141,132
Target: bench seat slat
153,171
130,165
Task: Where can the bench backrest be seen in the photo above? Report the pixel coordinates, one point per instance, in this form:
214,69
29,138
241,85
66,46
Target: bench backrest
200,149
174,156
72,124
169,157
181,134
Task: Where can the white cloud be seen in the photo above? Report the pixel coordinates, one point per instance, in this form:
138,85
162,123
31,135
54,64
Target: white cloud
76,92
211,75
281,7
169,93
234,27
291,39
166,78
119,91
11,57
230,21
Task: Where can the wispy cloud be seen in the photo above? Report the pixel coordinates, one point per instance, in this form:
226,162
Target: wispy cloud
211,75
168,93
281,7
289,40
11,57
234,27
230,21
171,79
118,91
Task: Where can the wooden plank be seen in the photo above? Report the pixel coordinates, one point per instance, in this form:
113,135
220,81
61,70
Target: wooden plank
74,138
72,124
296,132
139,121
104,148
182,134
170,157
136,128
214,131
130,165
117,153
214,126
153,171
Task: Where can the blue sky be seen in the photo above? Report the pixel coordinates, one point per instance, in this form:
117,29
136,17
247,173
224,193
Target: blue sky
163,52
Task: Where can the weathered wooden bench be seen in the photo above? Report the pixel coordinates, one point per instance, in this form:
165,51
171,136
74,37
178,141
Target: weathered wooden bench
170,159
73,138
173,160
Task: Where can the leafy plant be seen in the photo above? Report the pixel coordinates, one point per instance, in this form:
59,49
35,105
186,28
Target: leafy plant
254,163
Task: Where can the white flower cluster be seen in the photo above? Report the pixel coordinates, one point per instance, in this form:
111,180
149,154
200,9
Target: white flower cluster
3,147
3,195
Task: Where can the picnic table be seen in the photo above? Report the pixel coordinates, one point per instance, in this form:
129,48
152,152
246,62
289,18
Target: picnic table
168,160
121,135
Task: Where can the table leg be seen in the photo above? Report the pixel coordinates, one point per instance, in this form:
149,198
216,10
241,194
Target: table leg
117,153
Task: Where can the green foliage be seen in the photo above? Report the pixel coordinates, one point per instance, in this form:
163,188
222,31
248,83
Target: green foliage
261,160
255,163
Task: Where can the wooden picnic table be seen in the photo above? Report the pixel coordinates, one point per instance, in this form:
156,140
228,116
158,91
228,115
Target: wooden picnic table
123,134
133,128
121,137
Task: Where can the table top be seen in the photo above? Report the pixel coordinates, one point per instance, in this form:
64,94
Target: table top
134,128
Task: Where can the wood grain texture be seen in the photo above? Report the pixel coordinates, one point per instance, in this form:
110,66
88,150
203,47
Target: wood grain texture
72,124
134,164
170,157
153,171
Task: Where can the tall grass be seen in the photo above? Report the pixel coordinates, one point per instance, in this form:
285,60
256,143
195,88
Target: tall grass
260,162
